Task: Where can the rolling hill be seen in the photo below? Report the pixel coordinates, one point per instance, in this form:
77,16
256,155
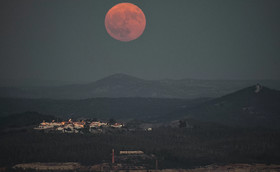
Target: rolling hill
104,108
249,107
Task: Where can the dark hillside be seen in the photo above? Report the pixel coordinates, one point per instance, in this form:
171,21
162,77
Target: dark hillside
252,106
118,108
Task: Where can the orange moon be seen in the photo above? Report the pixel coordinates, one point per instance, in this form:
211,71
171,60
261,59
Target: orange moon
125,22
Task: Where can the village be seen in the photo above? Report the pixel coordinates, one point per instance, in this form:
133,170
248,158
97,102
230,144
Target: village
78,126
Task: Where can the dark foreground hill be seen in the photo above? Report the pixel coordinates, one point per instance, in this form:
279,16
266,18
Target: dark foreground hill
121,85
173,147
252,106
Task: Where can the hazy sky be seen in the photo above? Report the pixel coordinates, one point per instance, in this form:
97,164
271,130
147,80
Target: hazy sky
213,39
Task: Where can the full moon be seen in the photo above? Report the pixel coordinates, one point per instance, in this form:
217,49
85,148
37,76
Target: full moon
125,22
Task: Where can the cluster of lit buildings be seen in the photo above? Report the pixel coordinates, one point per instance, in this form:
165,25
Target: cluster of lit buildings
76,127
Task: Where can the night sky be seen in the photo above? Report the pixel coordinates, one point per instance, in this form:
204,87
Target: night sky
200,39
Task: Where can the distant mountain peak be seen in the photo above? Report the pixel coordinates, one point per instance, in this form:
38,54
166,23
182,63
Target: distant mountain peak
118,78
121,75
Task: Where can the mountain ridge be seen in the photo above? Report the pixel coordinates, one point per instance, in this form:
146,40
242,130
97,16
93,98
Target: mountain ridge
123,85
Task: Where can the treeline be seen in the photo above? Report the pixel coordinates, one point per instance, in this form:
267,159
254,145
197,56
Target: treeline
125,108
24,119
173,147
